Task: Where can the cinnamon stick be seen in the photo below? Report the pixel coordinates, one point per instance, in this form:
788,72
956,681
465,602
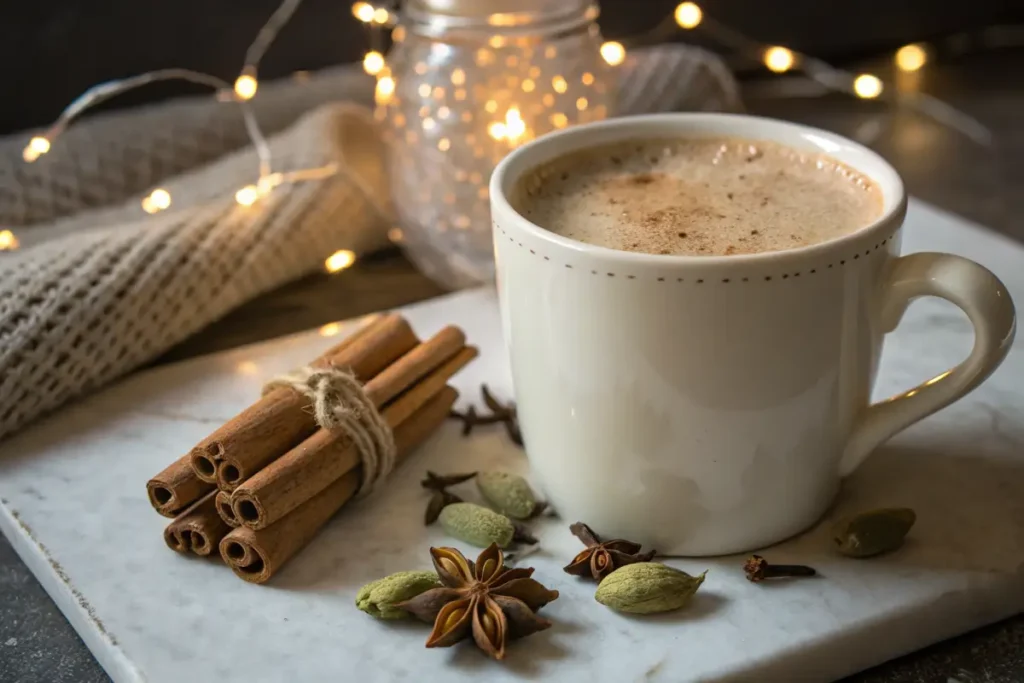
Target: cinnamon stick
224,509
197,530
206,456
415,364
257,555
281,419
176,488
321,459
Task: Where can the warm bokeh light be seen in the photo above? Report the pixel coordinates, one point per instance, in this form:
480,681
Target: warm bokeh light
381,16
515,127
330,330
340,260
911,57
613,52
373,62
247,196
496,130
688,15
385,89
246,86
363,11
779,59
161,198
867,86
559,84
36,147
157,200
39,144
8,242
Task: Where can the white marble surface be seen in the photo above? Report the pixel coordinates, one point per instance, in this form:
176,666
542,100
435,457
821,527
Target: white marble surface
74,506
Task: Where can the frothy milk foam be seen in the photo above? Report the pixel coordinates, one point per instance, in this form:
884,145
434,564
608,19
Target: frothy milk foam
698,196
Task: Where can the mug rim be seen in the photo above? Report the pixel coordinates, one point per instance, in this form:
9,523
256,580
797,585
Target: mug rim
743,125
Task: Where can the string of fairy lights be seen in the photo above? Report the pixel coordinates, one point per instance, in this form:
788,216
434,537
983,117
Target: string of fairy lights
687,16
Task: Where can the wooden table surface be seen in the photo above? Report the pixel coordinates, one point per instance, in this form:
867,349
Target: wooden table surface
939,165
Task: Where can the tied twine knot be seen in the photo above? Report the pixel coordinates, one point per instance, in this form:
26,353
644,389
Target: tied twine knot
340,403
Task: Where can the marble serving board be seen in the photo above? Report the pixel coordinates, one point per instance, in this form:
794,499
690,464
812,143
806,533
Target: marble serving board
74,506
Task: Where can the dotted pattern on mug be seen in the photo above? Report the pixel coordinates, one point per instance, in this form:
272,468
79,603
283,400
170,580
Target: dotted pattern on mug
767,278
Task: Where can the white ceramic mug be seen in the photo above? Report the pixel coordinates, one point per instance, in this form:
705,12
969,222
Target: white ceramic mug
711,404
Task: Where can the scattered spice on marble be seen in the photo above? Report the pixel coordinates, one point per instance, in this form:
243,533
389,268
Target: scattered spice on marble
470,419
442,497
647,588
477,525
522,535
873,532
439,482
499,413
508,493
758,569
380,598
601,558
483,600
438,501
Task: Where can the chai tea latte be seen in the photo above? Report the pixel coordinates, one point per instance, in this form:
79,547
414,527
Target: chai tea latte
698,196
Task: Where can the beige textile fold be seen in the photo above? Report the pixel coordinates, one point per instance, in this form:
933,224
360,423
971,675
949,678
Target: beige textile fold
108,290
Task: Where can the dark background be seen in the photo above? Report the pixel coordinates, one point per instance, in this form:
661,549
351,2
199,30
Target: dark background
52,50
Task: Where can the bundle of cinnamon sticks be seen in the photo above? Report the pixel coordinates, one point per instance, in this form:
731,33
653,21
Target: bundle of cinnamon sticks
258,489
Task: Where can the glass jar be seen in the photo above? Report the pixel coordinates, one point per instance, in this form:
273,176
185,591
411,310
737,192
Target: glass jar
467,81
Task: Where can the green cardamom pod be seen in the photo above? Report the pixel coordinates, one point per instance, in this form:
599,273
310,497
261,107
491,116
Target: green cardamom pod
477,525
509,494
873,532
647,587
378,598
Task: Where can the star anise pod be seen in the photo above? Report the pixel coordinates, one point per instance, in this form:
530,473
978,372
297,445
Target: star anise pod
482,599
601,558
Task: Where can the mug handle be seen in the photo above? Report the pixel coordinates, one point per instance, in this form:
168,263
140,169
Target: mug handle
987,304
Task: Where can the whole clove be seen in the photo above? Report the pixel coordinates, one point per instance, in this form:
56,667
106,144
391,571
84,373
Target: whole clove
441,497
439,482
499,413
439,501
758,569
